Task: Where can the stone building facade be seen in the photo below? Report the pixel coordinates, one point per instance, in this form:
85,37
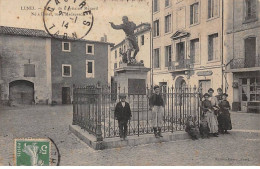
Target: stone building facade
187,43
242,51
36,68
25,65
81,63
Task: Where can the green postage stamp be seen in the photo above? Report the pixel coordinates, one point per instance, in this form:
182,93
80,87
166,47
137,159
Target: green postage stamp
32,152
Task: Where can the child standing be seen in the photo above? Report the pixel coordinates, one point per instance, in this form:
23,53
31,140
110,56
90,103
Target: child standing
122,114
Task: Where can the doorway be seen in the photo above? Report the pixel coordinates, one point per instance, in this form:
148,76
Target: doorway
205,85
66,95
21,92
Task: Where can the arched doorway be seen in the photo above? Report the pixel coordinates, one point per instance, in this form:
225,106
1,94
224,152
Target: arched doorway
180,82
21,92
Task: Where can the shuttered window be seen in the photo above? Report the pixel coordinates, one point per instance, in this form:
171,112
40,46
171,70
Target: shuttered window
29,70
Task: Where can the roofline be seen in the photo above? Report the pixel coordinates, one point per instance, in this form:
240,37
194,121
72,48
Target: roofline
49,36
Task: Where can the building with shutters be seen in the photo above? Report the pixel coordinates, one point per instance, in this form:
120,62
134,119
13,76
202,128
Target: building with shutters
37,68
242,51
187,43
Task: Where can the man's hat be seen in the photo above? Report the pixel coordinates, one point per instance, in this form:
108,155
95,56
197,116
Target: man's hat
122,95
206,94
155,87
225,94
219,89
210,90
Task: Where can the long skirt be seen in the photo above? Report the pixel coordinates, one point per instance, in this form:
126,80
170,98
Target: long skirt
212,122
224,121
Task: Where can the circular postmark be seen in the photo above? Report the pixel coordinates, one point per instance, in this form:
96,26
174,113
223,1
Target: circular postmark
67,19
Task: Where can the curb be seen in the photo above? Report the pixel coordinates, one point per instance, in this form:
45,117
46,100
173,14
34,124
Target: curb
109,143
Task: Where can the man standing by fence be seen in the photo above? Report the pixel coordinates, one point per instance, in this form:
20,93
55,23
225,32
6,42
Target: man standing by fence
156,105
122,114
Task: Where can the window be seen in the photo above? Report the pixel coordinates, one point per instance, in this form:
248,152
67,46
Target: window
115,53
180,49
155,5
194,51
250,9
115,65
29,70
90,49
167,3
90,70
142,40
213,8
213,50
66,46
157,58
156,28
168,25
66,70
194,13
168,55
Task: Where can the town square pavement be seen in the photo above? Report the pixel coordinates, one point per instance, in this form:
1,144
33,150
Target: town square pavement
241,147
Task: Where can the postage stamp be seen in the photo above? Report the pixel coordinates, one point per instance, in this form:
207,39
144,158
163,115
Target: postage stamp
32,152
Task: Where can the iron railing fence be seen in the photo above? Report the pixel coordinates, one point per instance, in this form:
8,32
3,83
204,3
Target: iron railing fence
238,63
93,110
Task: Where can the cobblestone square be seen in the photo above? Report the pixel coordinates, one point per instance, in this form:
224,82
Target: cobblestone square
241,147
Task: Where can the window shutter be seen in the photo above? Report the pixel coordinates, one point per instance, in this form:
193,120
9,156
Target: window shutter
191,14
216,4
209,8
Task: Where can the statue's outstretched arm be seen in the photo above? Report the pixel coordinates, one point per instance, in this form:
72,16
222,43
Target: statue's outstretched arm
116,26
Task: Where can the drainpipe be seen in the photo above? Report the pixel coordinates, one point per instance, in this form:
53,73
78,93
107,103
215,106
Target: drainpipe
222,50
151,48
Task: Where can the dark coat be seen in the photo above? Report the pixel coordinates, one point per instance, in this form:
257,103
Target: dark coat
153,99
123,113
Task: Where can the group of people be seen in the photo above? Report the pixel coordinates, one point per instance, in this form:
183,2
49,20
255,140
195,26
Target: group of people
215,117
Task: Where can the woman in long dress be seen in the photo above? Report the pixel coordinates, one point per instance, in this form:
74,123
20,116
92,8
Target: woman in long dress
215,108
224,117
208,113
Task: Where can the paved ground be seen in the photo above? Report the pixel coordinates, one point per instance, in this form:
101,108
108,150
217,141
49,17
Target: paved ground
241,147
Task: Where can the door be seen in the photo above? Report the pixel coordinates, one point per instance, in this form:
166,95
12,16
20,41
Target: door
21,92
205,85
250,52
66,95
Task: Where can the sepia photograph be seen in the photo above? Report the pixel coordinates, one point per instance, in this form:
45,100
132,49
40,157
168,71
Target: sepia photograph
130,82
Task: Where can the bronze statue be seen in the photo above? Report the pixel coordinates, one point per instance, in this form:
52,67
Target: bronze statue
130,40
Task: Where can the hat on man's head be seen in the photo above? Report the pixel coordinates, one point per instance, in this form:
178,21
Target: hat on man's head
155,87
225,94
122,95
206,95
210,90
219,89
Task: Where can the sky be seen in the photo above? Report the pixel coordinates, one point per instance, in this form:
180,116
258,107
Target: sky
12,14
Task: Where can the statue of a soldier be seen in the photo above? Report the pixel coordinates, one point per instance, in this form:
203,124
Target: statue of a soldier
130,40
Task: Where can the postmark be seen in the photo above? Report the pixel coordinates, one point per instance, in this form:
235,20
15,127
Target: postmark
35,152
67,19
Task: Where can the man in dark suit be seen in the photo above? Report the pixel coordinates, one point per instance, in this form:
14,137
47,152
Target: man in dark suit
122,114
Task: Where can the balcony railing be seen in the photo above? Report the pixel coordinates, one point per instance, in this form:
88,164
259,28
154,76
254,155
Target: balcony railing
242,63
180,65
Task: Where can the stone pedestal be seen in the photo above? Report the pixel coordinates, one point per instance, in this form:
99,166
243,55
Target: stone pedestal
132,78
